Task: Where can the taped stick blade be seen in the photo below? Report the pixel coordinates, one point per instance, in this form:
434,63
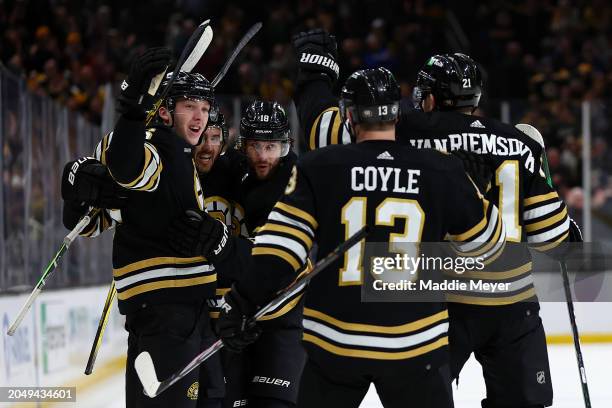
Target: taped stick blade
146,373
532,132
199,49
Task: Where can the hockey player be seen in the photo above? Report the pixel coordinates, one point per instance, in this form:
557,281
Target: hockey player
211,146
400,347
506,331
161,292
247,182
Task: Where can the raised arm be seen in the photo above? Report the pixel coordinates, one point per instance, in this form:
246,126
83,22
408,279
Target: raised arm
133,162
316,104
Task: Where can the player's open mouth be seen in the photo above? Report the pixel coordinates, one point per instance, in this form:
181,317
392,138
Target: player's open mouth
195,129
204,157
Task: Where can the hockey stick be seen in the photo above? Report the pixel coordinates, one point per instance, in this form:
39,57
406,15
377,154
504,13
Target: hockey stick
95,347
199,41
535,135
189,63
144,363
68,239
244,41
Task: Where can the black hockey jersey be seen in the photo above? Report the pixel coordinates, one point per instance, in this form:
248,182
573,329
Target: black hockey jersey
531,210
404,195
237,198
158,172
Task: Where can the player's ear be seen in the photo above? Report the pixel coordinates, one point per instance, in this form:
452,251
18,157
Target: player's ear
429,103
165,115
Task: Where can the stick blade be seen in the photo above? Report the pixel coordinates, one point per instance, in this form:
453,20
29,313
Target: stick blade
532,132
199,49
146,373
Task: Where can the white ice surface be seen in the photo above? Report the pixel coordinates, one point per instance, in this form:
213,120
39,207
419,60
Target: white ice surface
598,359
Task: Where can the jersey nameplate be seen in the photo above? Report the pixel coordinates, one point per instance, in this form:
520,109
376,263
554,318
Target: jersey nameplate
385,179
480,143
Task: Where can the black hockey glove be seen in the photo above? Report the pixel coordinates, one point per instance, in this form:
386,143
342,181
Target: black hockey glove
196,233
477,168
317,55
72,213
135,100
235,325
86,181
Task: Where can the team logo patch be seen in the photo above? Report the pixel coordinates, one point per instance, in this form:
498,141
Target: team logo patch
541,377
192,392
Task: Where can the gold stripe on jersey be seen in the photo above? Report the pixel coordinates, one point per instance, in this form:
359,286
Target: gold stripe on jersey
154,181
326,129
290,243
491,301
92,227
165,260
287,230
336,130
303,215
547,246
512,273
492,258
488,244
314,133
165,284
539,198
286,256
147,162
375,355
289,306
540,225
370,328
476,229
104,146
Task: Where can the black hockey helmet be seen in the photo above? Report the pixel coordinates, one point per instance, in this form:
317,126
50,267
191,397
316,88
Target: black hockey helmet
188,85
217,119
453,79
371,96
264,120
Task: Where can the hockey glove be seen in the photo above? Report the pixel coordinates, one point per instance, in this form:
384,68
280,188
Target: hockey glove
72,213
87,182
477,168
317,53
235,325
135,100
196,233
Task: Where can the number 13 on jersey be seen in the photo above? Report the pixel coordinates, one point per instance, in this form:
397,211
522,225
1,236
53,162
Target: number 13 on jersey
354,218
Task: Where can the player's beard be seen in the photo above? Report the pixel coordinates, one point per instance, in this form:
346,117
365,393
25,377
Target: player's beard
265,168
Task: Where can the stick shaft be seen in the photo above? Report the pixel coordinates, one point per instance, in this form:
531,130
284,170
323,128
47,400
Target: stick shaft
95,347
244,41
576,336
283,295
568,296
49,269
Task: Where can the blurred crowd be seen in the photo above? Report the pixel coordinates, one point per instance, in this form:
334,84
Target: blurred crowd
543,56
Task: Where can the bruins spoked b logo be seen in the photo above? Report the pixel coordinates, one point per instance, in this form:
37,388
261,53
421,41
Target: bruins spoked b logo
192,392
